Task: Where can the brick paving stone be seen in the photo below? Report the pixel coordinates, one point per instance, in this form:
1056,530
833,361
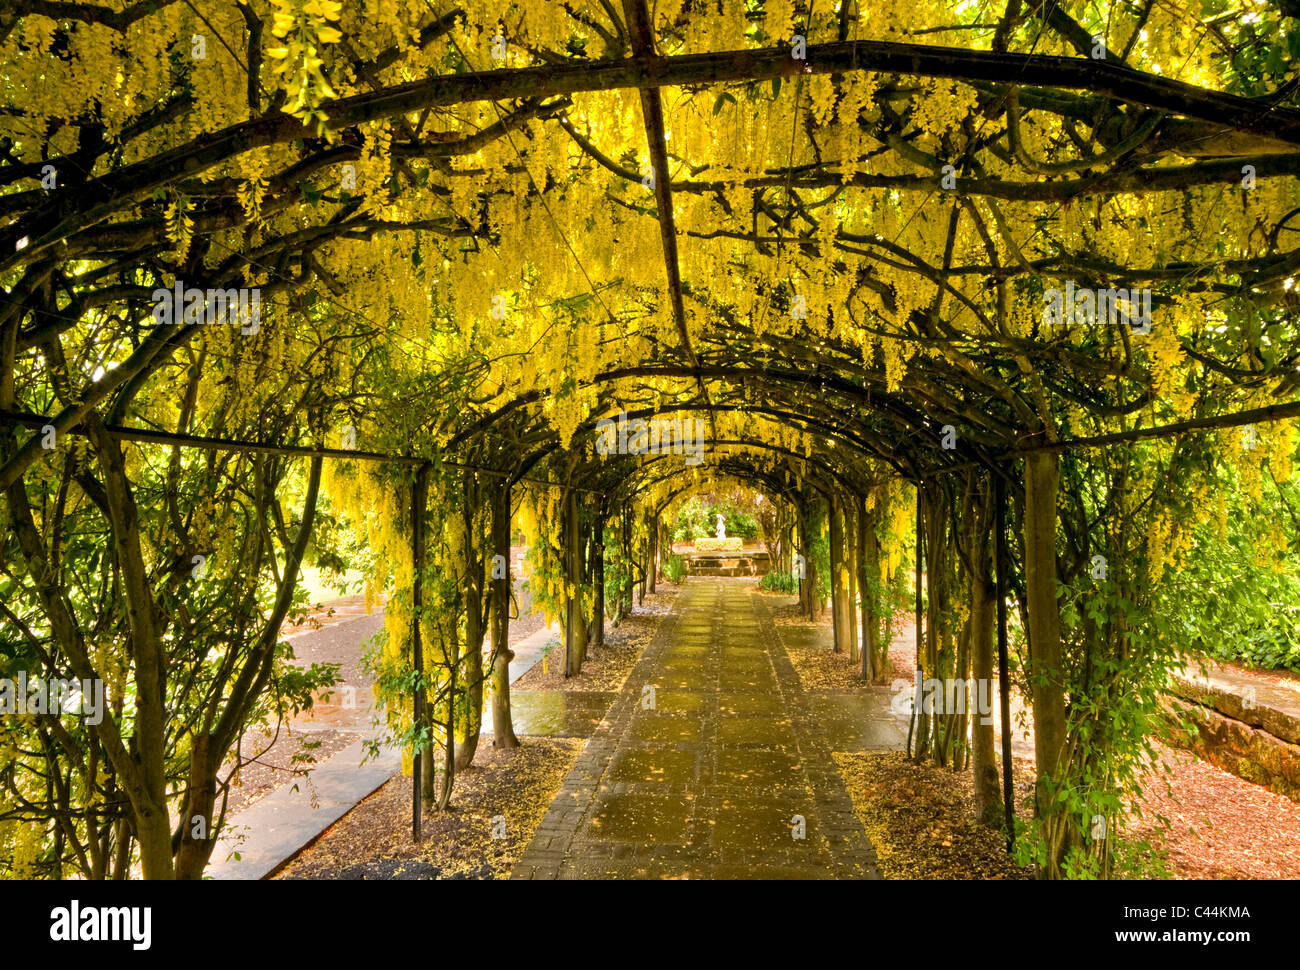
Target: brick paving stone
718,775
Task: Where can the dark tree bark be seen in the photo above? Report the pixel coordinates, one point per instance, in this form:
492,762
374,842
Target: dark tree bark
575,639
653,557
839,599
1042,477
874,654
848,548
503,731
596,631
977,536
475,627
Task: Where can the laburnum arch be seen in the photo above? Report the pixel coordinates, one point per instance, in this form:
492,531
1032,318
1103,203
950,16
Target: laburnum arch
827,232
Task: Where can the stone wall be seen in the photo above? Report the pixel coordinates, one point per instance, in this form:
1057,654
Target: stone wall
1250,730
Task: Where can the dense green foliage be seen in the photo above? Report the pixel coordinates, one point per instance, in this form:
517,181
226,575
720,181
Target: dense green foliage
1237,597
779,582
674,568
696,518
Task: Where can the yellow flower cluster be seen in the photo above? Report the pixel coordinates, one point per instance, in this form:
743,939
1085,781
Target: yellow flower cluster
1158,535
180,227
1166,355
942,106
1283,438
305,27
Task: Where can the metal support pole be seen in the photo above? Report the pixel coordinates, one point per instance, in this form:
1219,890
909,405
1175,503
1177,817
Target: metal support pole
1004,685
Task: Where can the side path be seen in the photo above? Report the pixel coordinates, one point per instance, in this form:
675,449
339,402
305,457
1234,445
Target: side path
269,832
708,765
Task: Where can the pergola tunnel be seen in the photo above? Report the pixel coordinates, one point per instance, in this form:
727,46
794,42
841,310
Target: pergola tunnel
611,505
990,306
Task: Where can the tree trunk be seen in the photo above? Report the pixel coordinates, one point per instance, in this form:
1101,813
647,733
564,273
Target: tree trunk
653,556
801,526
583,573
627,561
928,721
193,851
808,588
596,630
429,774
440,798
848,549
839,611
645,570
472,725
916,725
503,731
988,792
873,653
467,741
1045,673
148,746
575,635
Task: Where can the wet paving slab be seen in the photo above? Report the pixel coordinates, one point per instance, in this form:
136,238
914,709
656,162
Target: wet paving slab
720,771
556,714
853,721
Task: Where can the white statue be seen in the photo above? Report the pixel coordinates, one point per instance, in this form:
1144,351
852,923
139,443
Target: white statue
722,527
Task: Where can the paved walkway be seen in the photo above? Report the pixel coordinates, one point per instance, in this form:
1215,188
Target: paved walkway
721,776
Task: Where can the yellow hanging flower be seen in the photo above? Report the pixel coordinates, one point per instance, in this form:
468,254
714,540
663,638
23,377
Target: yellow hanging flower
1284,444
305,28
